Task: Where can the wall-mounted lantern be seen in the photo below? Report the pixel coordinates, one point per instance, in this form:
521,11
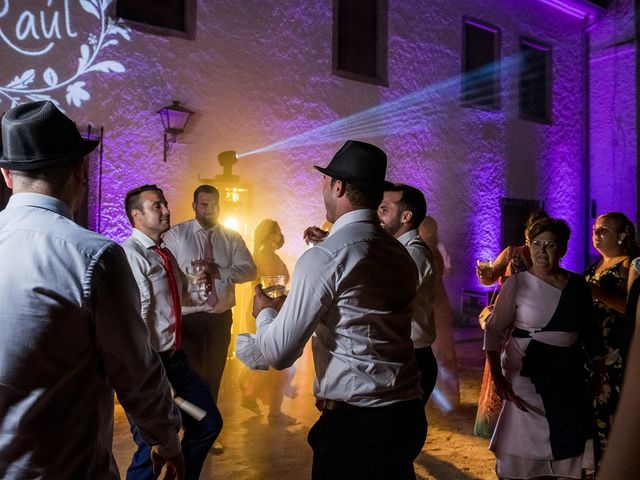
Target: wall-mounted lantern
174,119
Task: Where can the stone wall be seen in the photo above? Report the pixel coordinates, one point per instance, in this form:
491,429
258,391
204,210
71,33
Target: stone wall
259,72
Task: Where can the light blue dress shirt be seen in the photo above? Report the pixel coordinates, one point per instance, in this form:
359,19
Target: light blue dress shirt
423,325
71,332
352,293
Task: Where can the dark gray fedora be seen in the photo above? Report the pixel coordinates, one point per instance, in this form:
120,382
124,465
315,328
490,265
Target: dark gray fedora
38,135
359,163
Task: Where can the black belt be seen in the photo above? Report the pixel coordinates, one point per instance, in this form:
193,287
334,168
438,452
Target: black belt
520,333
337,405
322,404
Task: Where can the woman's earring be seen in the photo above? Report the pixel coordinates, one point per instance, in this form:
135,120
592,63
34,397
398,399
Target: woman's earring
619,242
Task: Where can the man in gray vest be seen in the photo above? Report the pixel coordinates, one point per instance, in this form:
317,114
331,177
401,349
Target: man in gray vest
352,294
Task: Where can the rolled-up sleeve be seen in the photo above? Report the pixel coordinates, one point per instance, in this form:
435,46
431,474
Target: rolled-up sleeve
503,316
132,367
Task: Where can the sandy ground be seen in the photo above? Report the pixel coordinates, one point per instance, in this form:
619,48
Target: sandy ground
256,450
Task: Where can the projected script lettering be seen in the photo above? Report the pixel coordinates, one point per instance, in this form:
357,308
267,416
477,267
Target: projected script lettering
50,45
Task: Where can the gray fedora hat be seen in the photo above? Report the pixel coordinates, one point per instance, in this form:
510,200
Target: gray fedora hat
360,163
38,135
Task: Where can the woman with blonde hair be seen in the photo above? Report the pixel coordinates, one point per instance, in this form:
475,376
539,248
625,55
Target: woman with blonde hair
270,386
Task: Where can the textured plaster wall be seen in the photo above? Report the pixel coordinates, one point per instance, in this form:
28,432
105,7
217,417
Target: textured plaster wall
259,71
613,124
465,160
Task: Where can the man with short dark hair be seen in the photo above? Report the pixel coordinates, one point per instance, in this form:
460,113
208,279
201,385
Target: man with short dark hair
70,318
352,295
402,209
161,286
207,317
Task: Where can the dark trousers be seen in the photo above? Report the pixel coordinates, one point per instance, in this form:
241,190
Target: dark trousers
205,339
368,443
428,371
198,435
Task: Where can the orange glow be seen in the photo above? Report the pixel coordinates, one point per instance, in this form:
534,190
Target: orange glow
234,194
234,223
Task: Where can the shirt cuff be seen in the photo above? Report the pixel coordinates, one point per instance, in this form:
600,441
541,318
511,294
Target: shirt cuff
266,315
169,450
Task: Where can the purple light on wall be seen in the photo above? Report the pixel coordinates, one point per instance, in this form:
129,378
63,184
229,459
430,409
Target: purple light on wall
563,195
576,9
486,188
612,132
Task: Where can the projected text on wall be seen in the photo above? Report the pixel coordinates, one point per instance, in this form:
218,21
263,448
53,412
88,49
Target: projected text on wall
55,43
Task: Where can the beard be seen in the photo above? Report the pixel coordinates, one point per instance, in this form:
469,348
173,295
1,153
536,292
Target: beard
207,221
392,226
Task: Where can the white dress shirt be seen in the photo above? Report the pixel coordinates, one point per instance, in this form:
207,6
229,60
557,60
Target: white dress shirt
352,293
155,295
423,324
71,333
230,254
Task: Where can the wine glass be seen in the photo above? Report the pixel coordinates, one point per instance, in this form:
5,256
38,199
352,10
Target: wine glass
194,272
273,285
484,267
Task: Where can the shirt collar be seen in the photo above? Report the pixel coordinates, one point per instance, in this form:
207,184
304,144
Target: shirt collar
41,201
361,215
143,238
406,237
199,228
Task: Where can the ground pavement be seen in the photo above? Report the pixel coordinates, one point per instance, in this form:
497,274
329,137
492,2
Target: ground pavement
254,449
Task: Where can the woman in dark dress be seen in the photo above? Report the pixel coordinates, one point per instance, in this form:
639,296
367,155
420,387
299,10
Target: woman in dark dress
614,238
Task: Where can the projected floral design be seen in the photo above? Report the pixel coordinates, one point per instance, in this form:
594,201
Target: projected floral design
45,82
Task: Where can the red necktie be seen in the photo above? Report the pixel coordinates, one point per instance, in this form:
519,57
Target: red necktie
212,300
175,297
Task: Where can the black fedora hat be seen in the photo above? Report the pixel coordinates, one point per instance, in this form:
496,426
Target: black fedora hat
38,135
359,163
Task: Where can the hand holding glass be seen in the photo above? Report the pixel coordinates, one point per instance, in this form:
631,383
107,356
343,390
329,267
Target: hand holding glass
484,268
273,285
195,274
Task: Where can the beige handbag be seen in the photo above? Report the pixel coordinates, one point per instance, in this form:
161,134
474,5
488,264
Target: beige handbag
486,312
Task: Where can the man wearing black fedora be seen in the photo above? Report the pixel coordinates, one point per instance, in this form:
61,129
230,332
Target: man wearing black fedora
352,295
70,318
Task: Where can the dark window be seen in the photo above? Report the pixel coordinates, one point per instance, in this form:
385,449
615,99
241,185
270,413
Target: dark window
163,17
360,40
535,81
480,65
514,214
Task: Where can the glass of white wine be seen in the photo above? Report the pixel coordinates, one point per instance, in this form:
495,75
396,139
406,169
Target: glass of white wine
194,272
